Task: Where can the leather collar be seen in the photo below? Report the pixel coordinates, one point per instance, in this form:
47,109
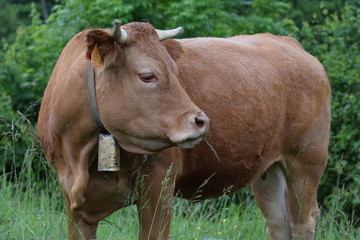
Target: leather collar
91,94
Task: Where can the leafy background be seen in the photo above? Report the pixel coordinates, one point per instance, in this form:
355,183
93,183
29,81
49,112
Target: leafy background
33,35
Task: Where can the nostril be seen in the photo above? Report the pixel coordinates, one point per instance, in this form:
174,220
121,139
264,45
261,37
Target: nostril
201,121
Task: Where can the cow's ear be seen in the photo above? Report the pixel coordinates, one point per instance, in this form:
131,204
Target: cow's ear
174,48
100,45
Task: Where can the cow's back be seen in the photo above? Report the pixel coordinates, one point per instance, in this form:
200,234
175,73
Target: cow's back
262,93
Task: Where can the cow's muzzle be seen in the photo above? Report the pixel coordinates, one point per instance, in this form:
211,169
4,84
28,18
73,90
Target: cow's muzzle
198,127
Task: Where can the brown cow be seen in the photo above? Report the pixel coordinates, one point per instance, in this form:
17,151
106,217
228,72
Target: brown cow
267,99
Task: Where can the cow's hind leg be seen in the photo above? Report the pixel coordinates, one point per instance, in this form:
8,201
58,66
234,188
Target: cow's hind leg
270,194
304,164
303,175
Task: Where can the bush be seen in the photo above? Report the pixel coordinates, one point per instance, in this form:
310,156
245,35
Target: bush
336,44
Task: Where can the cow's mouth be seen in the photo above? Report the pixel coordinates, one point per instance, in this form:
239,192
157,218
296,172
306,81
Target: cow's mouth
150,145
142,146
153,146
189,143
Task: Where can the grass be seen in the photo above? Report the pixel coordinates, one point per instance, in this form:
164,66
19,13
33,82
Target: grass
38,214
31,208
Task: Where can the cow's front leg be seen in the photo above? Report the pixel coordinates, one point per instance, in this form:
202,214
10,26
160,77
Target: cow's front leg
156,182
78,229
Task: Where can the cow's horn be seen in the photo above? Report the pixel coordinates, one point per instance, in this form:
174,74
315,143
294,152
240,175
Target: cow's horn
164,34
118,33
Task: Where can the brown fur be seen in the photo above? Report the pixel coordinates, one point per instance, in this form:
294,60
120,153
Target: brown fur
174,48
269,106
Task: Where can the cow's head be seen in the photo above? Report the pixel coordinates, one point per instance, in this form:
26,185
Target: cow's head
140,99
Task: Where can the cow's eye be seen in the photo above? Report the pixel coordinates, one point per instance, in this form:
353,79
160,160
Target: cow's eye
148,77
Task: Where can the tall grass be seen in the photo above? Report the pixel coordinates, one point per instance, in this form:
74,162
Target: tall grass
32,208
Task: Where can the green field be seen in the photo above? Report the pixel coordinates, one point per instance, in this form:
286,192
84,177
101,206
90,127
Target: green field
31,211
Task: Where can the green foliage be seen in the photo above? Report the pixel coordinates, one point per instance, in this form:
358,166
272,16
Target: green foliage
20,152
5,103
337,45
227,18
13,14
28,63
16,13
313,11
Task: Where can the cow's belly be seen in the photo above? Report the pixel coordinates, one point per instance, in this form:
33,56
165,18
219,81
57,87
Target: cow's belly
224,167
244,139
246,132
